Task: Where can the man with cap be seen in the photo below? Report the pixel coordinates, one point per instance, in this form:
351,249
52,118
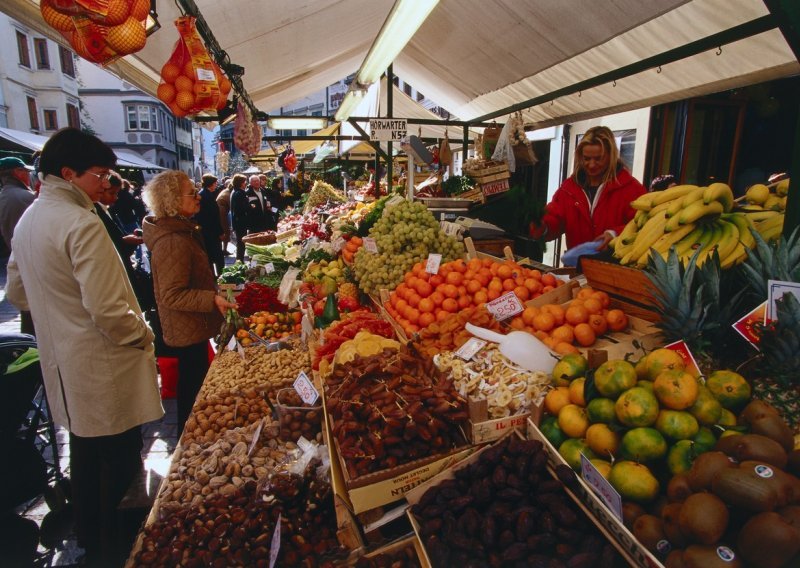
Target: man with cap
15,197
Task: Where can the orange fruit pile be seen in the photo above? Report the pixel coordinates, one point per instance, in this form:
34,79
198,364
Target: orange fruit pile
564,328
424,298
120,31
180,88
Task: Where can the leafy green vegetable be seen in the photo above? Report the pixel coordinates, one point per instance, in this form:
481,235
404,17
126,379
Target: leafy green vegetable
455,185
372,217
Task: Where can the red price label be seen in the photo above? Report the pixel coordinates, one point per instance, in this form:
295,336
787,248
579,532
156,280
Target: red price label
305,388
505,306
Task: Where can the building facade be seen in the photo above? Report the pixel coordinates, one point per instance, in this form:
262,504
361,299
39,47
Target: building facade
38,81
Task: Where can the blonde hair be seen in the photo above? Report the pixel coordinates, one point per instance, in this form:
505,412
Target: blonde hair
603,137
162,194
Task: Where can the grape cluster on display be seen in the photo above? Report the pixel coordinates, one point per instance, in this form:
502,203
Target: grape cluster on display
405,234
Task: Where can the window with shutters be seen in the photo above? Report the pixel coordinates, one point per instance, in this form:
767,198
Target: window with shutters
22,48
67,61
50,119
40,49
73,116
33,113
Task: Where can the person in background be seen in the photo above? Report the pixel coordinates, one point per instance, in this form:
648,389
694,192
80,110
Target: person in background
276,197
260,216
661,183
95,349
224,205
128,211
240,211
593,204
210,226
15,197
188,304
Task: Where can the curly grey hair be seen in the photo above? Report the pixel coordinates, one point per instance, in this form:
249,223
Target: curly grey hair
162,194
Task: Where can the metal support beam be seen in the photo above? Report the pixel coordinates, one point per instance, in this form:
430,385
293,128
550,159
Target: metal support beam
389,114
378,150
736,33
787,13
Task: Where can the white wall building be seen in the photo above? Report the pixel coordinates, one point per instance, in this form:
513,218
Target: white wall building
38,81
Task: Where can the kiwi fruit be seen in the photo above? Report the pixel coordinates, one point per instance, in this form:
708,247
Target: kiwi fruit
711,556
630,512
745,489
786,484
767,540
705,468
649,530
793,465
674,560
678,488
753,447
703,518
775,428
670,517
756,409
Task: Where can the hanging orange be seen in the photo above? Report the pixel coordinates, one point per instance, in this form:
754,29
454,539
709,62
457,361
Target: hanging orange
56,19
128,37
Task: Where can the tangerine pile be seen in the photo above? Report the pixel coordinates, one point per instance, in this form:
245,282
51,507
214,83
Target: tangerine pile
579,322
179,88
424,298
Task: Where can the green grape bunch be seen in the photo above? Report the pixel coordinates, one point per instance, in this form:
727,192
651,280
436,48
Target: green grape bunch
405,234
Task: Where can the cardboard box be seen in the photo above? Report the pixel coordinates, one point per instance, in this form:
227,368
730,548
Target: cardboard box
383,487
633,551
483,430
400,544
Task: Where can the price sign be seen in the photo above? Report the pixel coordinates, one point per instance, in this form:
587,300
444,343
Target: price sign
231,344
450,229
434,260
470,348
305,388
275,543
337,244
240,349
505,306
256,435
602,487
682,349
370,245
269,268
387,129
394,200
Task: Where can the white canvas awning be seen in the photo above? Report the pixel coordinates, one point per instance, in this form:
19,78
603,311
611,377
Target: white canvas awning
131,160
475,57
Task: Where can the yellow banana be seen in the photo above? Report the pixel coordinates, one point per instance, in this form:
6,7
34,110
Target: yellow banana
719,192
628,234
679,203
736,257
690,241
729,239
664,242
670,194
647,235
697,210
659,208
644,202
705,240
745,227
713,241
640,218
772,228
672,223
759,216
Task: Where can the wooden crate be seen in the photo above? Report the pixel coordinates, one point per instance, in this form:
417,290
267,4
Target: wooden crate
629,287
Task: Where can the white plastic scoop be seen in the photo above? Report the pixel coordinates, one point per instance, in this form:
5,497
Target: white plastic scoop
520,347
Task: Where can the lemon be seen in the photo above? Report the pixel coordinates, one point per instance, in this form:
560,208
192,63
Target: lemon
574,422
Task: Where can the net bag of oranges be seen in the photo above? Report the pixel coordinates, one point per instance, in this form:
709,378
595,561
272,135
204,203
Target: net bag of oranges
191,81
100,31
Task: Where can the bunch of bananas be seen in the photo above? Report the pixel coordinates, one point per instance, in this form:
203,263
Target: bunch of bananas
768,223
694,220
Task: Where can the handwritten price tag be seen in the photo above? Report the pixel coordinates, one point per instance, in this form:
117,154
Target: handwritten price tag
393,201
305,388
470,348
337,244
601,486
370,245
434,260
256,435
275,543
231,344
505,306
269,268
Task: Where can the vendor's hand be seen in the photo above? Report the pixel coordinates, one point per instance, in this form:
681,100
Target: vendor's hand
604,239
223,305
132,240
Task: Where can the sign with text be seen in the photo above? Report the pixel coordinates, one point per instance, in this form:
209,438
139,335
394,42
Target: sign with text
395,200
370,245
776,290
746,326
275,543
470,348
494,187
305,388
387,129
505,306
432,266
338,244
269,268
601,486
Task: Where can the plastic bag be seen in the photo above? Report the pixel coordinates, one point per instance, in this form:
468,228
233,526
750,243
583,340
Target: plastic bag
100,31
503,152
190,81
589,248
445,155
246,132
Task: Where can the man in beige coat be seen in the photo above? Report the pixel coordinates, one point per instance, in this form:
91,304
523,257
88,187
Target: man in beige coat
96,350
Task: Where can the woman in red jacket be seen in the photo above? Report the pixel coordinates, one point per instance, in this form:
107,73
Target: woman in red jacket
594,202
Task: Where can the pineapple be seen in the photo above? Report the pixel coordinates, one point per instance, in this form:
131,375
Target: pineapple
348,290
697,305
779,364
777,261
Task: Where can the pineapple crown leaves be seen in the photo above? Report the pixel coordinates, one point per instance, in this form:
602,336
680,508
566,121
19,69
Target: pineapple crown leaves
780,342
776,261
